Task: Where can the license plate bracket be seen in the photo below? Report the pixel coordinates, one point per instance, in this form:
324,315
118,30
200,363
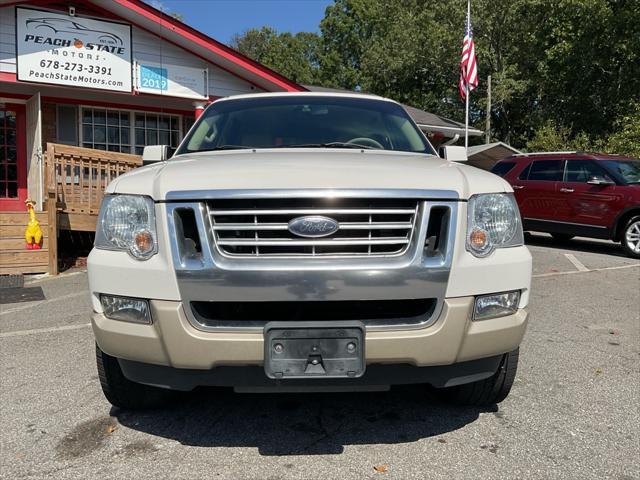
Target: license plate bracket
308,350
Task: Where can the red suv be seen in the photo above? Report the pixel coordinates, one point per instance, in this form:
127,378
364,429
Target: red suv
571,194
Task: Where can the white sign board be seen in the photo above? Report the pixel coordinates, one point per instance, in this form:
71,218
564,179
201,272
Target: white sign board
171,80
59,49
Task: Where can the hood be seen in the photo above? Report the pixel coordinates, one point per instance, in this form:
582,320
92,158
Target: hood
306,169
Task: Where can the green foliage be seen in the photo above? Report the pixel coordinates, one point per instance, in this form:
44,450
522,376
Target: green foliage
294,56
565,73
551,137
626,139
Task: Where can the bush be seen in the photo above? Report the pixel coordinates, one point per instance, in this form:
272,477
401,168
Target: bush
553,138
626,139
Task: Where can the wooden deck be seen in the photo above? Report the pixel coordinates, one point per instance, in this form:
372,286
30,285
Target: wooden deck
75,181
78,177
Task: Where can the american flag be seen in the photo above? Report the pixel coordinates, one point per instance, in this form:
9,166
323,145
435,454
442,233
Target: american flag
468,66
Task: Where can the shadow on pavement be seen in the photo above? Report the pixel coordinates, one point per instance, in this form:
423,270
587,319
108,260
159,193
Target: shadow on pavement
294,424
576,244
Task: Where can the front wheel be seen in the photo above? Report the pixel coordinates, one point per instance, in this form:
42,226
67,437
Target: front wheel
122,392
489,391
631,237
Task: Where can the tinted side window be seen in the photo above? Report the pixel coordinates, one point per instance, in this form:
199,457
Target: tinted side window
582,170
525,173
547,170
502,168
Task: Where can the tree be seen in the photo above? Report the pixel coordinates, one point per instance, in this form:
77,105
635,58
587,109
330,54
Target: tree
626,139
294,56
551,137
403,49
587,61
569,66
346,31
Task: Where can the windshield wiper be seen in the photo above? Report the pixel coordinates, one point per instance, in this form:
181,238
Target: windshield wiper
301,145
226,147
327,145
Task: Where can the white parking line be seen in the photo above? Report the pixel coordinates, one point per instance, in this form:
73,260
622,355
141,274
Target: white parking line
42,302
46,277
571,272
21,333
576,263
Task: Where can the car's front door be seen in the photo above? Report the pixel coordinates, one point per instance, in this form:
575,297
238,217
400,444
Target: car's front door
535,190
585,204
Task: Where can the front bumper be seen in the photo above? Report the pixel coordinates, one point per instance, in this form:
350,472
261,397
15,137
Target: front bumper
253,379
172,341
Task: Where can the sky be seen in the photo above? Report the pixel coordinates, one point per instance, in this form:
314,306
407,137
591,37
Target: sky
221,19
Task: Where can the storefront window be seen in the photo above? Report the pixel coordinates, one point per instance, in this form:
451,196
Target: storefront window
127,131
67,124
154,129
106,130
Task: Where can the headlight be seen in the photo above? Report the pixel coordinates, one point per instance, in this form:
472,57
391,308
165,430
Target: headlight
127,222
493,221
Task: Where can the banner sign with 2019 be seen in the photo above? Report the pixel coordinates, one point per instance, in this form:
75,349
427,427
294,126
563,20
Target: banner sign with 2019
59,49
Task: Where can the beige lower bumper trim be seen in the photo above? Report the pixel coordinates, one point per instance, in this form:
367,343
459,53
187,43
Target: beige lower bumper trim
171,340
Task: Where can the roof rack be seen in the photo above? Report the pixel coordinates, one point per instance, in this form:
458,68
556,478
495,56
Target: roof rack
547,153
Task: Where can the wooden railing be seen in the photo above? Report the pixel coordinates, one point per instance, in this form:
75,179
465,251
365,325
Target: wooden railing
77,177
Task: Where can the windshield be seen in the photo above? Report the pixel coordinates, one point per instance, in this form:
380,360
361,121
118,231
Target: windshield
626,170
299,121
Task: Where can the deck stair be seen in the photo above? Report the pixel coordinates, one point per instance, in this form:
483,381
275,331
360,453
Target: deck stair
14,257
75,182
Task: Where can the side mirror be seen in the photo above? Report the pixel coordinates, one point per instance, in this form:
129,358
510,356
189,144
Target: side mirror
454,153
154,154
598,180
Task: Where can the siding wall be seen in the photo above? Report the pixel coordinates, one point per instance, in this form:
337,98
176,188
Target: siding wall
7,40
146,48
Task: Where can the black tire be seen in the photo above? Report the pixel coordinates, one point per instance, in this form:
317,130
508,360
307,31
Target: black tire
122,392
631,231
562,237
485,392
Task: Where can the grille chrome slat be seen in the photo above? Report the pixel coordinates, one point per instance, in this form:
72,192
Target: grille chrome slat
343,226
300,243
368,227
319,211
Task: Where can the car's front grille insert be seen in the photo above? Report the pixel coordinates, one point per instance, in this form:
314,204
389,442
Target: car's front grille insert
257,314
187,235
437,231
365,227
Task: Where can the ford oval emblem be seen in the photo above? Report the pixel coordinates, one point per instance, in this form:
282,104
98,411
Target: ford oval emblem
313,226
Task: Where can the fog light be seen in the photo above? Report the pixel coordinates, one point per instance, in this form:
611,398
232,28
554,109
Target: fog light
496,305
126,309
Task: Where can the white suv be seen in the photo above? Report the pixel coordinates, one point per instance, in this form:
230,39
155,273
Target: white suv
307,241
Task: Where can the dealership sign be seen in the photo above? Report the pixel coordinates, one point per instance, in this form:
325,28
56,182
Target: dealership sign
172,80
59,49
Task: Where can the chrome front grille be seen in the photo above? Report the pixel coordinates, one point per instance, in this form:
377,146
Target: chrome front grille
260,227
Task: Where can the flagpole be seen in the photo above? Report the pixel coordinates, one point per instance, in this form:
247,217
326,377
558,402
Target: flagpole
466,110
466,121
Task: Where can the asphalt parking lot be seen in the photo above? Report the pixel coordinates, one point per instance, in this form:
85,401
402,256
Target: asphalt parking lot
573,412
